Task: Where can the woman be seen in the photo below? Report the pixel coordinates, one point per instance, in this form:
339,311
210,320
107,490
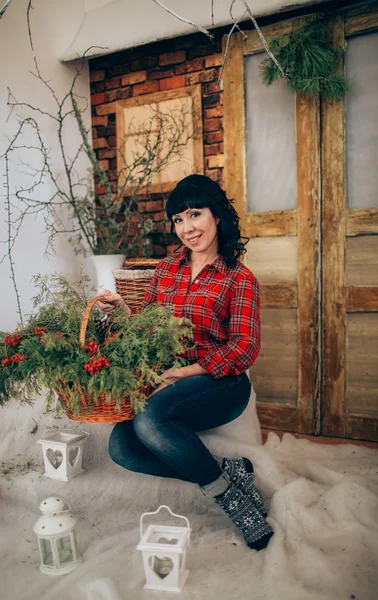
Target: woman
207,284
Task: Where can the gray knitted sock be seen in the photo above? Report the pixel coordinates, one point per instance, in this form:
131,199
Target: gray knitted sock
240,470
244,514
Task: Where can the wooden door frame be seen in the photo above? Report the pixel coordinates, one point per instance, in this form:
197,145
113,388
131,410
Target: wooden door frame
304,222
338,223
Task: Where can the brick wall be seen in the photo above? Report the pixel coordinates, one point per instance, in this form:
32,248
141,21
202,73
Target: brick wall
152,68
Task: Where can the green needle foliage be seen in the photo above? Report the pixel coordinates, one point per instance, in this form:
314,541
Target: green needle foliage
309,62
46,353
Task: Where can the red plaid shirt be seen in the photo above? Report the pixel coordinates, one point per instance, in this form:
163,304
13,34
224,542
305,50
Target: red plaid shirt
222,302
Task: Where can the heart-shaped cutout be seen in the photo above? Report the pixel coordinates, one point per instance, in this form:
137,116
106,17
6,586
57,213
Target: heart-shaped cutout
73,455
55,457
165,541
161,566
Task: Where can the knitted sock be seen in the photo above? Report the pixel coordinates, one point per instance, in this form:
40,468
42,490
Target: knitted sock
240,470
244,514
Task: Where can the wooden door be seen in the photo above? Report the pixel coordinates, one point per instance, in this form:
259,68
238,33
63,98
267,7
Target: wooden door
272,172
350,236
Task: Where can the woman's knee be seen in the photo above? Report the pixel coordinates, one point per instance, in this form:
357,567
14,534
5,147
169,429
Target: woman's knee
120,447
145,425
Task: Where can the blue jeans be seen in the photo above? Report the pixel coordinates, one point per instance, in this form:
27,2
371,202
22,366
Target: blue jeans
162,439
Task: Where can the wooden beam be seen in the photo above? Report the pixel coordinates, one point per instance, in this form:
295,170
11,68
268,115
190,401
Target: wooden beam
284,417
272,223
362,220
234,126
361,19
333,256
308,217
362,427
362,298
253,44
278,295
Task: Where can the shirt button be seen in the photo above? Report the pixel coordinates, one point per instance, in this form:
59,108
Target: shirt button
195,281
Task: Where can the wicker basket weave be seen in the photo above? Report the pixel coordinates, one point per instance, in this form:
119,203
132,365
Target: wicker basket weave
133,279
100,411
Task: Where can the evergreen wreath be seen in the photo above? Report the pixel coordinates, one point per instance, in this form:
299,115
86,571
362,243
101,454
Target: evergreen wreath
133,354
309,62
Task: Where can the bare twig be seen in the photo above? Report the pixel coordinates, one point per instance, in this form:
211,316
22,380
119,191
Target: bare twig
265,44
171,12
2,10
30,7
212,13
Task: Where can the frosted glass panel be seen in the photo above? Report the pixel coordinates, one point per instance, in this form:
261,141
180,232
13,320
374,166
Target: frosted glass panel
362,121
271,155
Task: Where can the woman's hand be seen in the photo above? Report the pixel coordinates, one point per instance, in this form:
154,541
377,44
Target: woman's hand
111,302
174,375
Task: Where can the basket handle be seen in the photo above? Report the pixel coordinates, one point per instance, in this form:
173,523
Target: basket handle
158,510
84,322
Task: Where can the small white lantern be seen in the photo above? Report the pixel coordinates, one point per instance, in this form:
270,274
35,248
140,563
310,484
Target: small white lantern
63,454
56,537
164,551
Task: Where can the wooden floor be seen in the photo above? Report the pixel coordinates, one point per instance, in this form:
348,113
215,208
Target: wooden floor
321,439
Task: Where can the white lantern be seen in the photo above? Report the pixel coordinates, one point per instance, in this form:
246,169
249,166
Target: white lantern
63,454
164,551
56,537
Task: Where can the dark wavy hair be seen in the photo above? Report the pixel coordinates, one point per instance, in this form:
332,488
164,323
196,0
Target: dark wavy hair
199,191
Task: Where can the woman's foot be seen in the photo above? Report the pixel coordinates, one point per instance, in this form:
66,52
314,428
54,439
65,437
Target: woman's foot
240,471
244,514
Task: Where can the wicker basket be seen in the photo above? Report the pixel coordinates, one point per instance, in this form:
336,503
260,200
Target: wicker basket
133,279
99,411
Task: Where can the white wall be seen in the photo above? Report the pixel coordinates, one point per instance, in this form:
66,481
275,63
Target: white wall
119,24
53,23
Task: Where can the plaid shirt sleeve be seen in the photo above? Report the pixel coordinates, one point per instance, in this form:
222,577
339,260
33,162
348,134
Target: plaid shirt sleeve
242,349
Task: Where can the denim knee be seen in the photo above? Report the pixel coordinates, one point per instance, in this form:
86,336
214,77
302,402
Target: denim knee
149,429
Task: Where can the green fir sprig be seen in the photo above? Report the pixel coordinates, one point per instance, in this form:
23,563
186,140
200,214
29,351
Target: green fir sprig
309,62
46,353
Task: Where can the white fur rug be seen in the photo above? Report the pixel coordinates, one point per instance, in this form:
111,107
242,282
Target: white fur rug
323,507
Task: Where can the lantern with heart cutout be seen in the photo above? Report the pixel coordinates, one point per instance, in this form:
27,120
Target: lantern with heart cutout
63,454
164,551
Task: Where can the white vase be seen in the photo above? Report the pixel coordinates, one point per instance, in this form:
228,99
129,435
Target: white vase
101,266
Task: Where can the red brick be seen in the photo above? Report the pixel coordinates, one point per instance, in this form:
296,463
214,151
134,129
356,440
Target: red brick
133,78
149,87
119,70
214,61
154,205
168,226
212,88
210,113
221,148
113,83
215,162
210,100
108,153
100,143
161,74
211,124
172,58
159,216
144,63
112,175
97,87
172,83
96,121
111,96
214,137
100,190
141,207
206,50
212,149
202,77
94,133
112,140
214,174
97,76
190,66
104,164
136,218
124,93
97,99
112,164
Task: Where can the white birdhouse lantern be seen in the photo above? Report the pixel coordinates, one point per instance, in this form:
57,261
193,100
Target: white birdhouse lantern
63,454
56,537
164,550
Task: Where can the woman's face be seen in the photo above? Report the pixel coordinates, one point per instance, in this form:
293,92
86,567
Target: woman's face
197,229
